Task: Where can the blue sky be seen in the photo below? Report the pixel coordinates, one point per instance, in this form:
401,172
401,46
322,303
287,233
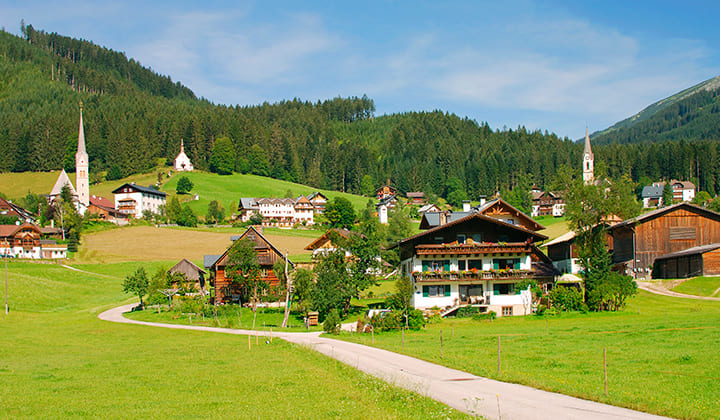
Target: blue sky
551,65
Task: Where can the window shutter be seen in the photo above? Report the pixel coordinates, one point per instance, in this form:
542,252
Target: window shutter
496,264
447,290
446,265
425,265
496,289
425,291
517,263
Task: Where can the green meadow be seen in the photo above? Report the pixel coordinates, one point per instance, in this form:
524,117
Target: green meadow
700,286
661,353
58,360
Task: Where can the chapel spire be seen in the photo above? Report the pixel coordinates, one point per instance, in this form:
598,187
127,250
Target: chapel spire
82,166
588,160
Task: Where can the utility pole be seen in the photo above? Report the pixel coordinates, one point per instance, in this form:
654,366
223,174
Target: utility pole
6,281
288,292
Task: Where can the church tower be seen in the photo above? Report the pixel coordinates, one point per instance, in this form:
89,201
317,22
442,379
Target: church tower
82,165
588,161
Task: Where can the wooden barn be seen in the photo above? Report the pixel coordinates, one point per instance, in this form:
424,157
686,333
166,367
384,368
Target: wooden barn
267,255
194,274
696,261
639,241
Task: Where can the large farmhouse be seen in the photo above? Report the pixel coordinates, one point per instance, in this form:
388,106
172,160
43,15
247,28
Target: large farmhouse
25,241
133,200
278,211
267,255
474,260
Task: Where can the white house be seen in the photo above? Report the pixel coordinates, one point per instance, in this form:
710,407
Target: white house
475,260
285,212
133,200
23,241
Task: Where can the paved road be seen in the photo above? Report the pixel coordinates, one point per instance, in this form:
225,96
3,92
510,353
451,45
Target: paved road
660,290
463,391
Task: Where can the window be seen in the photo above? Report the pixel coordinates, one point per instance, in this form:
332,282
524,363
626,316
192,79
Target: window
476,264
440,290
504,289
436,265
506,263
461,238
507,311
477,237
439,240
461,265
510,221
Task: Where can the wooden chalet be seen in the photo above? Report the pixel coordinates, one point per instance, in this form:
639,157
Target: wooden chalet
475,260
324,244
547,203
416,197
318,200
104,209
192,273
25,241
639,241
267,254
385,191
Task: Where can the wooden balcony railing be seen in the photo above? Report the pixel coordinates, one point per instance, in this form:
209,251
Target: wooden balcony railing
460,276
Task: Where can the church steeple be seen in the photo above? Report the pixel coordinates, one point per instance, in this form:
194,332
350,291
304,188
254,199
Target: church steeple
82,165
588,160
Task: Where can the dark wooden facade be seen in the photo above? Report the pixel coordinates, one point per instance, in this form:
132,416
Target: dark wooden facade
267,256
638,242
693,262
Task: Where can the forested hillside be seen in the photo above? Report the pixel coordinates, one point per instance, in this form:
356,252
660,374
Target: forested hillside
135,118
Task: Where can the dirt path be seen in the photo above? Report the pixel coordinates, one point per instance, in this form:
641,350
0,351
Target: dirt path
658,289
463,391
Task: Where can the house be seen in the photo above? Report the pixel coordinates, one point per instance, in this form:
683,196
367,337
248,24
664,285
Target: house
637,242
324,244
498,209
192,273
564,254
104,209
25,241
385,191
267,255
416,197
318,201
547,203
475,260
182,162
285,212
9,209
652,195
428,208
133,200
701,260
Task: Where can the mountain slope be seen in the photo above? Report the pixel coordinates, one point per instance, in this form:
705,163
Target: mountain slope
692,114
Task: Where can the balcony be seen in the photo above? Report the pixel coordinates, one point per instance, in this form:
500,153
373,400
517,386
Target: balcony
460,276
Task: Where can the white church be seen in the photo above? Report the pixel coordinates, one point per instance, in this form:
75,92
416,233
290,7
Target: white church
182,162
82,178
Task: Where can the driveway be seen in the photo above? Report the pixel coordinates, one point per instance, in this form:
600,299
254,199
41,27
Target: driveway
463,391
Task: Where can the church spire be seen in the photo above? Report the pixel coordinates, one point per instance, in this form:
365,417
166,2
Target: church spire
81,134
82,167
182,146
588,160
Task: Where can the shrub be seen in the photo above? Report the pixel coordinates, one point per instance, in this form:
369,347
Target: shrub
466,312
566,299
482,316
332,322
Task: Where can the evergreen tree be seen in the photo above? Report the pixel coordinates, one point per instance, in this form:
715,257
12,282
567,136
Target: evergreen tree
223,157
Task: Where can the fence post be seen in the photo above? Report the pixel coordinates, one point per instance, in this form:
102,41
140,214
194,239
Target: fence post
605,369
498,367
441,345
403,338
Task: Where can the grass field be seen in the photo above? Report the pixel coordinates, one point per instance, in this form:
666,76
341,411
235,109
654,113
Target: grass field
661,353
554,226
700,286
59,361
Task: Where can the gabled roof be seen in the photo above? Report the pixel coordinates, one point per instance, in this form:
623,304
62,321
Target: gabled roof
21,212
415,194
427,207
251,230
10,230
188,268
387,200
645,217
317,194
566,237
210,260
325,237
479,216
62,180
433,219
146,190
653,191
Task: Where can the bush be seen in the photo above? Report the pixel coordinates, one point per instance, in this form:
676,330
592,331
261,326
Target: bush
466,312
332,322
484,316
566,299
395,320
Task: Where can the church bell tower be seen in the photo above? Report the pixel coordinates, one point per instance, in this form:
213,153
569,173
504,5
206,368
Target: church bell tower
82,179
588,161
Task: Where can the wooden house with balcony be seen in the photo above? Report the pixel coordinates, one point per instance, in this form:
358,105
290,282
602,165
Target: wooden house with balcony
25,241
267,255
475,260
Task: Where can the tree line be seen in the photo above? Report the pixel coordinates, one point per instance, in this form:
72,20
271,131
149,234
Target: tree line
337,144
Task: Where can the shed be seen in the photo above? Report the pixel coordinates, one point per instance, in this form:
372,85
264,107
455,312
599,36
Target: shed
191,271
692,262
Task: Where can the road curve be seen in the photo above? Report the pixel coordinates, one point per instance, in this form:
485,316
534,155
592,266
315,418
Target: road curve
460,390
659,290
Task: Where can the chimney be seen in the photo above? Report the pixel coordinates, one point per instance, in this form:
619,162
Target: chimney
483,199
443,218
466,206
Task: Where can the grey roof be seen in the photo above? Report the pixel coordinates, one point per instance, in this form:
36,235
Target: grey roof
248,203
235,237
653,191
209,260
649,215
690,251
146,190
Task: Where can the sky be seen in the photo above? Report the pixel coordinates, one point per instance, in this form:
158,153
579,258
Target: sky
552,65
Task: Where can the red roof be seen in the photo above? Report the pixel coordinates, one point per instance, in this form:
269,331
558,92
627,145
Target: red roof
102,202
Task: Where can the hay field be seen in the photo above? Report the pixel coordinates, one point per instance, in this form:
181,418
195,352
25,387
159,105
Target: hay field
147,243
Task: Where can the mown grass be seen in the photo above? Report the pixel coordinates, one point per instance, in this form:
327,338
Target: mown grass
59,361
554,226
700,286
661,353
